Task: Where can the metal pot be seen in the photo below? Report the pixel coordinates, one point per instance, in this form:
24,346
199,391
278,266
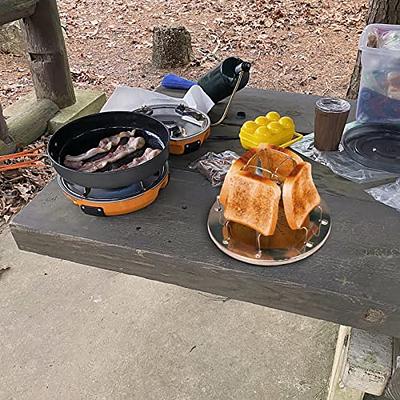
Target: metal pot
188,128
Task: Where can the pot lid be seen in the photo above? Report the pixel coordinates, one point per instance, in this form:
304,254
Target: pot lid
375,146
182,121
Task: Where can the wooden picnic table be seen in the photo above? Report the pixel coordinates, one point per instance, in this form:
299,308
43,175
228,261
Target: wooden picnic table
354,279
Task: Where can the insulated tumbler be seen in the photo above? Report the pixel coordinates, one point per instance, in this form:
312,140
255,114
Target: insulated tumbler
330,119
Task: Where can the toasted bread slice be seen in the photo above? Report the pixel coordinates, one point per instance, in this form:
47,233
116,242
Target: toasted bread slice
278,160
236,166
284,237
300,196
253,201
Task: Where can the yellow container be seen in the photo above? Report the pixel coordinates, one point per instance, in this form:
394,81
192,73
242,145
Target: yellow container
271,129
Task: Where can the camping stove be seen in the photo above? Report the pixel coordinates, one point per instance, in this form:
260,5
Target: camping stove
119,201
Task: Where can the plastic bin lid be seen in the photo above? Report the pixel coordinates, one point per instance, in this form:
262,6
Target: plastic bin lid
375,146
380,27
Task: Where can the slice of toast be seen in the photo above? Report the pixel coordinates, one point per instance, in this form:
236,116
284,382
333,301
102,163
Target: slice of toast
284,237
278,160
300,196
236,167
253,201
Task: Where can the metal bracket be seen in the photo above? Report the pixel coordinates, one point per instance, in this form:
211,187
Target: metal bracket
146,110
95,211
181,109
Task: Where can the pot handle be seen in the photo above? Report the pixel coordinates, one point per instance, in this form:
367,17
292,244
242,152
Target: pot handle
146,110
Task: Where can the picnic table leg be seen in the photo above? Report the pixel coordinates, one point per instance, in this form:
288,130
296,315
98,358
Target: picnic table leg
392,390
48,57
337,390
362,364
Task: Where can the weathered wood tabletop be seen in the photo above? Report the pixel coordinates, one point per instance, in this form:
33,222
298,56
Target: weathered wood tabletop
353,280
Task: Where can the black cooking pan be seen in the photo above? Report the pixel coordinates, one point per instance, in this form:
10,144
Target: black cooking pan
85,133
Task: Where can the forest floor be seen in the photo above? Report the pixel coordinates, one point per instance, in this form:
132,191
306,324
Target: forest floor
306,46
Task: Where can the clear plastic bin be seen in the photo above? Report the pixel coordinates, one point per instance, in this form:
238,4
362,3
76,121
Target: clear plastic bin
379,95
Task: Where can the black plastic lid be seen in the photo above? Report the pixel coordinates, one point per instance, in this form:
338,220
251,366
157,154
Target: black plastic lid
376,146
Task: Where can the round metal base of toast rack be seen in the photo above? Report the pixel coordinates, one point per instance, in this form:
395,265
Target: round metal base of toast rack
315,235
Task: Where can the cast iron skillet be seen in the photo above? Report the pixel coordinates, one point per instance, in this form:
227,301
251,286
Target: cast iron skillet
84,133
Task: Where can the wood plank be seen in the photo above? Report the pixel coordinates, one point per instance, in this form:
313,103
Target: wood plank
353,280
48,56
3,126
31,122
7,144
11,10
254,102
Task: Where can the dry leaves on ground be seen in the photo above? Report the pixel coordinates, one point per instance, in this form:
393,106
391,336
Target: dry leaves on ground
18,187
304,46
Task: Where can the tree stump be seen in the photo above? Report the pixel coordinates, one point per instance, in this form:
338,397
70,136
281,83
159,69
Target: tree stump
172,47
380,12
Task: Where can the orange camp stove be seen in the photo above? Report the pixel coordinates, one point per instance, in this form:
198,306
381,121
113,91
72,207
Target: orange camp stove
117,201
188,128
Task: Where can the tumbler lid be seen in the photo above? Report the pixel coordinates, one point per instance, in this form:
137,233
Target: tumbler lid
333,105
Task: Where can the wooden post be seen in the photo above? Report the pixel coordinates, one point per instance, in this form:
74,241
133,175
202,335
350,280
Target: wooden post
3,126
48,57
11,10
